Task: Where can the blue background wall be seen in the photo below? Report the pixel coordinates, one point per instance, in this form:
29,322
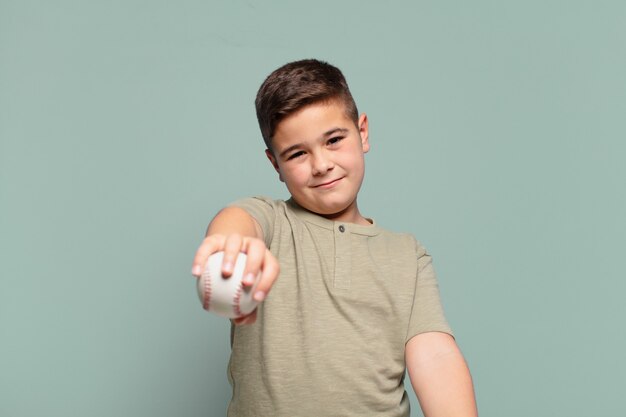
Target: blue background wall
497,131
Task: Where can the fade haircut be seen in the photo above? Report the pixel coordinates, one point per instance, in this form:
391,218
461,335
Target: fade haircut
296,85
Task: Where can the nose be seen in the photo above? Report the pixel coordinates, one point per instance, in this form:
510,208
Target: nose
321,163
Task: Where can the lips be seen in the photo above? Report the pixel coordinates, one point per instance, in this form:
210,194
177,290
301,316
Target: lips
328,183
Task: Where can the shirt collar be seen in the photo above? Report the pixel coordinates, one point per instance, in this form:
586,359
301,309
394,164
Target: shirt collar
321,221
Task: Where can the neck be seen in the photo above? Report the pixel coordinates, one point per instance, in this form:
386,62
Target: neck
349,215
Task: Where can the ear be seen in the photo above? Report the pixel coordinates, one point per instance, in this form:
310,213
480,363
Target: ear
364,132
274,163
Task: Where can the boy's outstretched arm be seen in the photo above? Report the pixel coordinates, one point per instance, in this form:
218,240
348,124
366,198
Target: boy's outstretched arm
233,231
440,376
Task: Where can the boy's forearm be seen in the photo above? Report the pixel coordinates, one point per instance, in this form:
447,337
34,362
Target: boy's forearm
440,376
232,231
234,220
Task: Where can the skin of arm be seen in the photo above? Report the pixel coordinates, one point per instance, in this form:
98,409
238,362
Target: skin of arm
233,231
439,376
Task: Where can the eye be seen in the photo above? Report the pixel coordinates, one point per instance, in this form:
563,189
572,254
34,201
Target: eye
335,140
295,155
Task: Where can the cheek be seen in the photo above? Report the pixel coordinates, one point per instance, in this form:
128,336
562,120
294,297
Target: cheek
295,175
353,161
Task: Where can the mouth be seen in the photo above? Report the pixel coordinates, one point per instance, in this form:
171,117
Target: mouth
328,184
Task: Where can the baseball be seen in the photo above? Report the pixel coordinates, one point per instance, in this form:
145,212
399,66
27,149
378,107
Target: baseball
226,297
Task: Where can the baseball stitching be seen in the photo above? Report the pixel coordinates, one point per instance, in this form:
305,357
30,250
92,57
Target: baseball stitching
236,299
206,293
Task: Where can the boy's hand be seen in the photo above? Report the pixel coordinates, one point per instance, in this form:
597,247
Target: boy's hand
259,259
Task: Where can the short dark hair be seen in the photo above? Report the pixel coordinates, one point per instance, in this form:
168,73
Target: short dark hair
296,85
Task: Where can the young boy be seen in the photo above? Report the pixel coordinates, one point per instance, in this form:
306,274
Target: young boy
355,305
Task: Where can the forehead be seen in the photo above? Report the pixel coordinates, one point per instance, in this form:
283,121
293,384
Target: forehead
312,121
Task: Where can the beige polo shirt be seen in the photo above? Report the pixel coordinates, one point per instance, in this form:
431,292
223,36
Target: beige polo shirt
329,339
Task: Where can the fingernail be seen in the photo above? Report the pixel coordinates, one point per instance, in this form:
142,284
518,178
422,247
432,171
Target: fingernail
195,270
227,267
259,296
248,279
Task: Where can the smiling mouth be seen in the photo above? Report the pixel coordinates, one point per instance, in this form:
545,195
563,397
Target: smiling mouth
327,184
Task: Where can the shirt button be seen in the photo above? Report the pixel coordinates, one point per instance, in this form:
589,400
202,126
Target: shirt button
342,229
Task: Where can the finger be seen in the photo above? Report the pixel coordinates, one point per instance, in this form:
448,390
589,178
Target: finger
269,273
232,247
209,245
255,250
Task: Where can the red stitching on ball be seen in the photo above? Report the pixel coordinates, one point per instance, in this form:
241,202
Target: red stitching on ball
236,300
206,293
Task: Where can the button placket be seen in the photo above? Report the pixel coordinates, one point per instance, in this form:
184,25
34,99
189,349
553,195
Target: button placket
342,257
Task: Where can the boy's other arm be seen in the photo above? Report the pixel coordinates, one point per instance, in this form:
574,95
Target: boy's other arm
440,377
233,231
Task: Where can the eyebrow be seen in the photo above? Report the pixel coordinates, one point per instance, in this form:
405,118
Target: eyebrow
324,136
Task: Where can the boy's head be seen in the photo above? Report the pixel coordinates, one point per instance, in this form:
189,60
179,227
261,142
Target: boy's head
296,85
315,138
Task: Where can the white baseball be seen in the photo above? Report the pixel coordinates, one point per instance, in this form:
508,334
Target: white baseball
226,297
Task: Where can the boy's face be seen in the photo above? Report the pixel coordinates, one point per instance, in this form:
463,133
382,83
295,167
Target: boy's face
318,154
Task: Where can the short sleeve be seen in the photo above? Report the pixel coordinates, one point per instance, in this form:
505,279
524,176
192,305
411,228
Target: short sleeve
427,314
262,209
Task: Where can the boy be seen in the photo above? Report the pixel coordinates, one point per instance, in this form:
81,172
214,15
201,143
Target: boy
355,305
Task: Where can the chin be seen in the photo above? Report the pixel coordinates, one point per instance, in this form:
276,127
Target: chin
326,208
